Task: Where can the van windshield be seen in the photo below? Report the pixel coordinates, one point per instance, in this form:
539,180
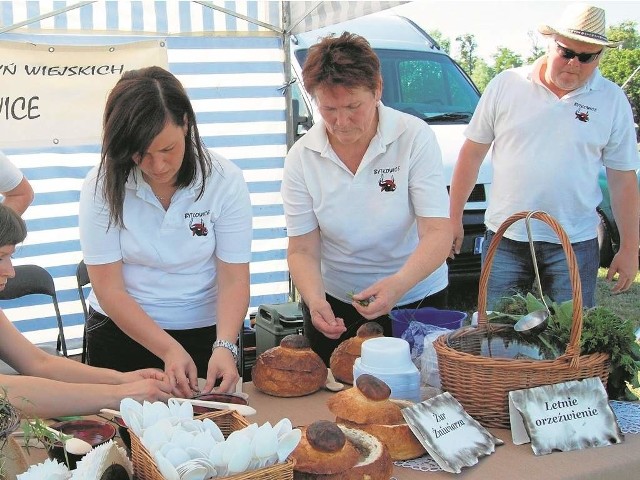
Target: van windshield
428,85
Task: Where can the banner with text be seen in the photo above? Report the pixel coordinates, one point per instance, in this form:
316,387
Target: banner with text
55,94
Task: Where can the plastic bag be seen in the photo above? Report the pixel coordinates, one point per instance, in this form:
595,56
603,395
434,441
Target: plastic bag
420,337
429,372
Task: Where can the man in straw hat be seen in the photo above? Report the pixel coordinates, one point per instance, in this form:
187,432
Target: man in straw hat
553,125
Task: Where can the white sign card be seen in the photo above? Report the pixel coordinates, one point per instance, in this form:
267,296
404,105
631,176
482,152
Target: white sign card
54,95
566,416
452,437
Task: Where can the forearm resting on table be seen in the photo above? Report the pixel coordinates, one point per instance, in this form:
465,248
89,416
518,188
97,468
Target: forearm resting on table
66,370
49,398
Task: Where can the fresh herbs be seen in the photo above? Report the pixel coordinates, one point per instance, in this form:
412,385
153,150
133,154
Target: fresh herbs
602,331
634,387
38,430
9,421
364,302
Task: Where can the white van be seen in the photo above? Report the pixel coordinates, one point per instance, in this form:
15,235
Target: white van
420,79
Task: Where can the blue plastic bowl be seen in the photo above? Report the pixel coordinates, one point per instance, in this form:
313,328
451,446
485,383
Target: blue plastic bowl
449,319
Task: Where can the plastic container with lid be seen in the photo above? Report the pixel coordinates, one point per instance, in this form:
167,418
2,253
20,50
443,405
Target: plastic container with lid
388,359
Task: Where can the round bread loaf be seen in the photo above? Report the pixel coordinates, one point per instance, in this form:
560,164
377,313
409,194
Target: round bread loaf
345,354
291,369
371,461
367,406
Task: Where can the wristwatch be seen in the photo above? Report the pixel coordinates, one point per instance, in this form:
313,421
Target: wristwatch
232,347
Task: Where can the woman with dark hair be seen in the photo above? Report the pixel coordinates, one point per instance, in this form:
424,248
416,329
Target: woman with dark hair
365,201
51,386
165,230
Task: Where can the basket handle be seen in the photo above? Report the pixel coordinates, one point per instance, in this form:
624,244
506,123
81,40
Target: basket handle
572,352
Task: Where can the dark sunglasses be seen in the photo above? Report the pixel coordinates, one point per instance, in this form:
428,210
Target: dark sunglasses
582,57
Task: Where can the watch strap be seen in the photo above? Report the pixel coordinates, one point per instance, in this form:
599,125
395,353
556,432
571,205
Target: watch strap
232,347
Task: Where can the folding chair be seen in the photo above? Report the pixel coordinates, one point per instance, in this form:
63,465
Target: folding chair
33,279
82,277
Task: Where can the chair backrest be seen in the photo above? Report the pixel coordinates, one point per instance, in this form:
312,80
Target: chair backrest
82,277
30,280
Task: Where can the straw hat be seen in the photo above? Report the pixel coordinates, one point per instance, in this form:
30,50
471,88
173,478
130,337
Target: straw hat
581,22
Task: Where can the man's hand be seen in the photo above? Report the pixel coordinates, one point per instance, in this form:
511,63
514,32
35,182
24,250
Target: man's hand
625,266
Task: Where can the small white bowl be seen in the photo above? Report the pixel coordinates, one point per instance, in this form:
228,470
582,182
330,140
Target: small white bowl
385,354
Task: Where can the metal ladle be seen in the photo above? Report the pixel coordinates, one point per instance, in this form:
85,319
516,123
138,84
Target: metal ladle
536,321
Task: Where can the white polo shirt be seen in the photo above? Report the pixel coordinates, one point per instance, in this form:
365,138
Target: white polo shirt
548,151
10,175
169,256
368,220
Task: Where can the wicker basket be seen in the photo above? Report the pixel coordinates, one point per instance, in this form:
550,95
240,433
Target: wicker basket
145,468
481,384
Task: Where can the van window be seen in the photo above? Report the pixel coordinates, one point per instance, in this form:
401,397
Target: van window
427,85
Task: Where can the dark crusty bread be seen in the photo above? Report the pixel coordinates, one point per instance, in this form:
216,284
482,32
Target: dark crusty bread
324,449
345,354
366,402
367,406
291,369
373,461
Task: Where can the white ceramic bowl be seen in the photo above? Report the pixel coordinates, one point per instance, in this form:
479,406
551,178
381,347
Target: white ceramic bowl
385,354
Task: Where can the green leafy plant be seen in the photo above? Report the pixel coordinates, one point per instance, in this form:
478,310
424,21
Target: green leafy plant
364,302
9,421
33,429
602,331
36,429
634,386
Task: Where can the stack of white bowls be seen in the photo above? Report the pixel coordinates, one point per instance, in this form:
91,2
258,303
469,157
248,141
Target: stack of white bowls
389,359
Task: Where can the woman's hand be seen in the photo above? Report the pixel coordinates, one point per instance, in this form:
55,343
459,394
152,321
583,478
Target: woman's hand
221,366
149,389
145,373
378,299
325,321
181,371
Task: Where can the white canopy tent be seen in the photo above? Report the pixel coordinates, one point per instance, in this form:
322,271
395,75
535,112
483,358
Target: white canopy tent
233,58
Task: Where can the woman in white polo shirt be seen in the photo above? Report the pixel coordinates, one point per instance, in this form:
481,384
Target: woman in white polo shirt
365,201
165,230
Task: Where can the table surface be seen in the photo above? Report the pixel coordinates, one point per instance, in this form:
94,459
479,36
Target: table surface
508,462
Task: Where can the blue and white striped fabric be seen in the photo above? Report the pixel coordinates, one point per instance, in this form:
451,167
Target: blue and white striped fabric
233,81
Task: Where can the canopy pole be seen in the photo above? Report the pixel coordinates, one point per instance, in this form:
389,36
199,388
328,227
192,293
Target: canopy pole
43,16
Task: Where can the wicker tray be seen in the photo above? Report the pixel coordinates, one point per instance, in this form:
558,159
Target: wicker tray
481,384
228,421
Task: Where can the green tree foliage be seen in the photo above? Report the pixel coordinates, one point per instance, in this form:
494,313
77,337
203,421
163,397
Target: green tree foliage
504,59
468,57
482,74
621,64
444,42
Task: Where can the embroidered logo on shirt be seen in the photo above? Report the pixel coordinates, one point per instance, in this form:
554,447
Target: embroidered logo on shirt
198,228
388,185
582,116
582,111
